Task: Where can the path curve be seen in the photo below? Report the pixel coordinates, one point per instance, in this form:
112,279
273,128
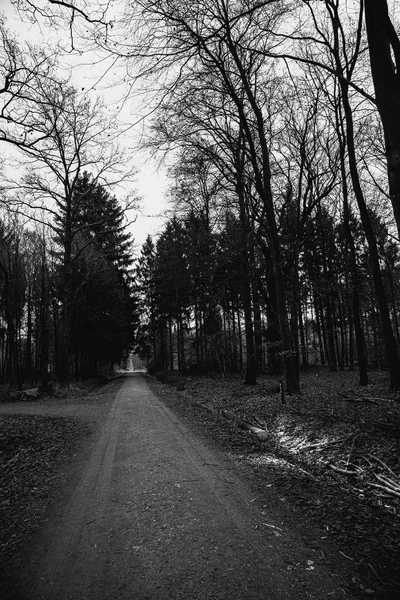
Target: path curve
156,514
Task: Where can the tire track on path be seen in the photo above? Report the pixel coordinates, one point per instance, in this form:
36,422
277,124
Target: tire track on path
157,515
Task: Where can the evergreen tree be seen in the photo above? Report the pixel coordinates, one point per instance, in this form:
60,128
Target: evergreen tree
104,308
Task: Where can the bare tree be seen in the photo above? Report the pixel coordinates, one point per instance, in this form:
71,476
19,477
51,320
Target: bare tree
210,38
329,45
61,136
175,41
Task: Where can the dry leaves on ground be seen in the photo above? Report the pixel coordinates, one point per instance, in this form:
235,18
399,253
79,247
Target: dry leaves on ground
33,453
324,449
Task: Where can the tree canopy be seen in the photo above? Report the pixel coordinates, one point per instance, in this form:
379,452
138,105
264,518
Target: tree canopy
280,121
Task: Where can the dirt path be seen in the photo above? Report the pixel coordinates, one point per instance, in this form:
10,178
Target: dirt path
156,515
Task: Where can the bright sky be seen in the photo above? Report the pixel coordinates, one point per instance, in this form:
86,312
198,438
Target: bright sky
151,180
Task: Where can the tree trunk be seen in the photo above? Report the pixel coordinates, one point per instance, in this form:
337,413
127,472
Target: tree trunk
28,350
239,325
44,337
257,330
273,336
295,311
354,313
392,355
390,342
65,326
303,342
384,45
251,365
319,317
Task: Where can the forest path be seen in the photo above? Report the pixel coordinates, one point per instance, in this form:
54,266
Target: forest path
157,514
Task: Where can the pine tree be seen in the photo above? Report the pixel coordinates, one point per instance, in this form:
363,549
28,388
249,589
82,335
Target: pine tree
103,313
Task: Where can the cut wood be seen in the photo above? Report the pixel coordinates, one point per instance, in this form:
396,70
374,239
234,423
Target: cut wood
31,394
260,432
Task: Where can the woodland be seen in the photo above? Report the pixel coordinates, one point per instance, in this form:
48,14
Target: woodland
279,123
278,264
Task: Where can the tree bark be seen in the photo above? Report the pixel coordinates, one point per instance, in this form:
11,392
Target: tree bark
251,364
384,45
392,355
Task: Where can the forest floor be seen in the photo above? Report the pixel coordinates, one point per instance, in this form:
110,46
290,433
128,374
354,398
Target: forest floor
334,424
332,454
39,440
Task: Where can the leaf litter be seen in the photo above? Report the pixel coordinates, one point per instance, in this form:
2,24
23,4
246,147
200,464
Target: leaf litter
35,454
332,452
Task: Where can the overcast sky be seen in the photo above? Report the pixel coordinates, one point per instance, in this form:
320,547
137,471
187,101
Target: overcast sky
151,180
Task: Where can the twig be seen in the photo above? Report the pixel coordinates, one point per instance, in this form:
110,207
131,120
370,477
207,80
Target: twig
273,526
378,460
368,461
322,445
299,447
375,400
300,469
373,570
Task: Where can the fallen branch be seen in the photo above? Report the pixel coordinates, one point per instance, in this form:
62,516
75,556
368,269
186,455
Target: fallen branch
343,471
357,399
385,489
366,399
388,482
376,400
351,451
